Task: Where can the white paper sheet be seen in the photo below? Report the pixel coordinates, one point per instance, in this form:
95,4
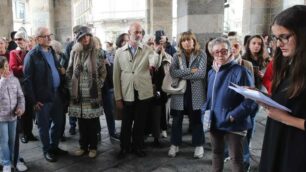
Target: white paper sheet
257,96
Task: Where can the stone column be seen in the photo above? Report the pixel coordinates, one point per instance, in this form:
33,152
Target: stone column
42,14
62,19
203,17
257,16
6,19
160,12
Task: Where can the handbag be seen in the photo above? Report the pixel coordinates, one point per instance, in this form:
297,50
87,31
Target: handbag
174,85
206,120
207,116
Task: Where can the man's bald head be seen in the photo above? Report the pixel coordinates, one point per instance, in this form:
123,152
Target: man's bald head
135,33
135,25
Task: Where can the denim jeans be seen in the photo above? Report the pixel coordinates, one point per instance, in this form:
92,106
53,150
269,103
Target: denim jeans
108,105
50,134
197,127
247,140
7,141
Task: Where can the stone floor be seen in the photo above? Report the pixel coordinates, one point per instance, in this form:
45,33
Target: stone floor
156,159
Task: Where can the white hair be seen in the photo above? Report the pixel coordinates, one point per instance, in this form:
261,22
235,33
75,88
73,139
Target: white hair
39,31
56,45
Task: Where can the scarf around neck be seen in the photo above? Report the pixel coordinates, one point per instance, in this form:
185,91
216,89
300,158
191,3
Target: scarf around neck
85,57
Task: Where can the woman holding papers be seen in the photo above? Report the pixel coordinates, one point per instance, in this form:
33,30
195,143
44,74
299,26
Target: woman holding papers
284,147
229,110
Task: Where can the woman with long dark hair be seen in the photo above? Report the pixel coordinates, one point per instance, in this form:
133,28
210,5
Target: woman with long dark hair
284,146
254,52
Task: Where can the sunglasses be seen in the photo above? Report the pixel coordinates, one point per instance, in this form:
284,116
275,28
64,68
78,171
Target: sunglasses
18,39
236,46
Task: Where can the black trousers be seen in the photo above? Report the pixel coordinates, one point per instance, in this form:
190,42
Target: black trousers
88,129
133,124
26,120
153,120
163,117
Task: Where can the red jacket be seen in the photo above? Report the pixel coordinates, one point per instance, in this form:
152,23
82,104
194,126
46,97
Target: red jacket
267,79
16,62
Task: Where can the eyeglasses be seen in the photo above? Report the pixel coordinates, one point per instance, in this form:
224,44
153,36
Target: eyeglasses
46,36
283,38
223,52
137,32
18,39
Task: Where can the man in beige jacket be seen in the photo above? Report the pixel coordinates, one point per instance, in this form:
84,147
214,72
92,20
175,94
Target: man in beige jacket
133,89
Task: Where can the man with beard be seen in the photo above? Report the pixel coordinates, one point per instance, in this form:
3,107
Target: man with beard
133,89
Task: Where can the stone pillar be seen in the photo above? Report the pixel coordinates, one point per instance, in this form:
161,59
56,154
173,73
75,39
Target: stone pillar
276,7
203,17
42,14
62,20
257,16
160,12
6,19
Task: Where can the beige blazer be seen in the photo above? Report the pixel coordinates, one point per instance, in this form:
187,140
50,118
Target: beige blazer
245,63
133,73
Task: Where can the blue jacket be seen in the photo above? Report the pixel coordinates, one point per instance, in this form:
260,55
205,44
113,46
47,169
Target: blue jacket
38,81
227,102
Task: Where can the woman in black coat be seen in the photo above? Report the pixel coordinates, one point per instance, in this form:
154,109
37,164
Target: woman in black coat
284,147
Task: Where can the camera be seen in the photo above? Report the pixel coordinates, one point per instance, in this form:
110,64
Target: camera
158,35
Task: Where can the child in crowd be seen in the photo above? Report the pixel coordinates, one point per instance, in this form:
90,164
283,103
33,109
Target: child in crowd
12,104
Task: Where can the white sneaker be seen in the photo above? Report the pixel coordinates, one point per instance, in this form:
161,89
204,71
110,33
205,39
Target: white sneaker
164,134
21,166
198,152
7,168
92,153
227,159
79,152
173,151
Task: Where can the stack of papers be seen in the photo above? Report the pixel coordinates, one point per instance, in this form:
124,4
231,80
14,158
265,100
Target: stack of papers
257,96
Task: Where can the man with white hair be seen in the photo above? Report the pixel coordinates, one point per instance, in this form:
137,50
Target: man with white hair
42,84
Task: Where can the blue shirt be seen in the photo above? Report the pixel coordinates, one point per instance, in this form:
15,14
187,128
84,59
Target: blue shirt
133,50
55,75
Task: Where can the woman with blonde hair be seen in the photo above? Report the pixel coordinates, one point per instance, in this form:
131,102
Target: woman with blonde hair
189,64
3,50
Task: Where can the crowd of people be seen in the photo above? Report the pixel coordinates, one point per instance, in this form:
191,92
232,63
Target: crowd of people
41,80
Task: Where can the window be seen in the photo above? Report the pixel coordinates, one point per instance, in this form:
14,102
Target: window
20,9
